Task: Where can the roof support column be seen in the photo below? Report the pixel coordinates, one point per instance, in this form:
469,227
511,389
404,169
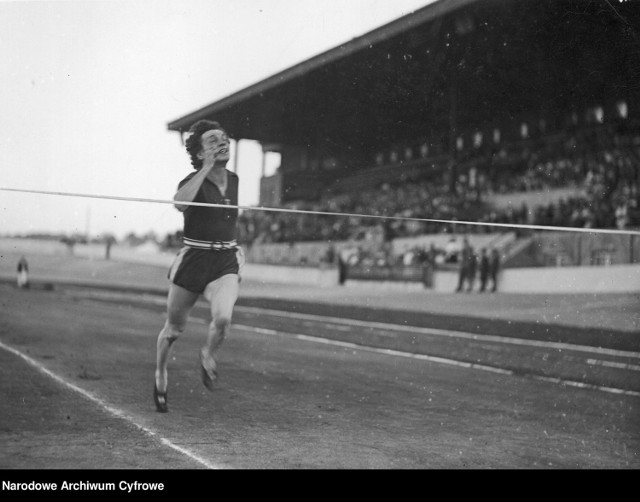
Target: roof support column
236,157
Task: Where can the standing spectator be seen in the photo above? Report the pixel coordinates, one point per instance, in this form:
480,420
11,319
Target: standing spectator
472,269
494,269
343,264
484,269
432,254
428,261
109,242
330,255
464,265
23,273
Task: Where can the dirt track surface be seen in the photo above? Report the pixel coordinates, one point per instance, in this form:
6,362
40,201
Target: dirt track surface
313,385
615,312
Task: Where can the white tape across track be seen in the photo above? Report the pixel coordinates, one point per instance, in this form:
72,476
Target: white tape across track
329,213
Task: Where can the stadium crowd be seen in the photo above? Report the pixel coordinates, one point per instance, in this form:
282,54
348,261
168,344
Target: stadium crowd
601,164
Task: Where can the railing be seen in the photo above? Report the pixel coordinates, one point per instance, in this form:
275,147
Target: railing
399,273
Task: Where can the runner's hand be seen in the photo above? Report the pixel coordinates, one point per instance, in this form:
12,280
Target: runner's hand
209,157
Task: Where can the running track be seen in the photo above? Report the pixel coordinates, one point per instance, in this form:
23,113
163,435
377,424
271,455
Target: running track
310,385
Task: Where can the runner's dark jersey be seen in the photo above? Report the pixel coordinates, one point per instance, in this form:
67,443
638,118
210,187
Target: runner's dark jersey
212,223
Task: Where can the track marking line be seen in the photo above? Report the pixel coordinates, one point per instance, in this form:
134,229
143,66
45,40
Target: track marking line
424,357
116,412
344,324
444,332
613,364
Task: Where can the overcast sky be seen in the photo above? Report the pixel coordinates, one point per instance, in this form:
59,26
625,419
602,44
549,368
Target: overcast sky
87,89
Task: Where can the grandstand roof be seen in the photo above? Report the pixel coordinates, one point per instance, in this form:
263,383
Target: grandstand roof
450,64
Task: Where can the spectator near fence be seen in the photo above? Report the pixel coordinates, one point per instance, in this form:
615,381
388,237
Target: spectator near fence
472,269
483,268
465,257
23,273
494,269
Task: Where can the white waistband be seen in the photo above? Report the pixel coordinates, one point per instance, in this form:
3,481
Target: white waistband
215,246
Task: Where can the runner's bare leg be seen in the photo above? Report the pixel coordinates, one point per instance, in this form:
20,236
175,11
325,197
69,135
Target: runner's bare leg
222,295
179,304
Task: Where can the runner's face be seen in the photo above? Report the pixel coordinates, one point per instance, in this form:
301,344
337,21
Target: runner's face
215,142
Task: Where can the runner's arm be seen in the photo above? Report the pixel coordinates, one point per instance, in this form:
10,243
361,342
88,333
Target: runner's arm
188,191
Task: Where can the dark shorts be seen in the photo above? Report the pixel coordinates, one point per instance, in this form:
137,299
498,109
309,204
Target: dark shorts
193,269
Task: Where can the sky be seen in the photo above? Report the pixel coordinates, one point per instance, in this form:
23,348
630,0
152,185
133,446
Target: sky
88,87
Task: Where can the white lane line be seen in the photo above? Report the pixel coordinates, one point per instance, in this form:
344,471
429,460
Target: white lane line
424,357
590,361
365,348
613,364
443,332
116,412
343,324
583,385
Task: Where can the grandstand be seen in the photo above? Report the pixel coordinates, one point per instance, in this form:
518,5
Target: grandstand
494,111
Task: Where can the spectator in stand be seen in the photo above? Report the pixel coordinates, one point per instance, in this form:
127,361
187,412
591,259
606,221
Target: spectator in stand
622,215
603,164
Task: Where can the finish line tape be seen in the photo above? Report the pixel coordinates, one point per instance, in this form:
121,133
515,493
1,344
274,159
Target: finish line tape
328,213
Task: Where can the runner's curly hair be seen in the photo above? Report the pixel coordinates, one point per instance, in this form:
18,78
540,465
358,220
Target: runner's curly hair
193,144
